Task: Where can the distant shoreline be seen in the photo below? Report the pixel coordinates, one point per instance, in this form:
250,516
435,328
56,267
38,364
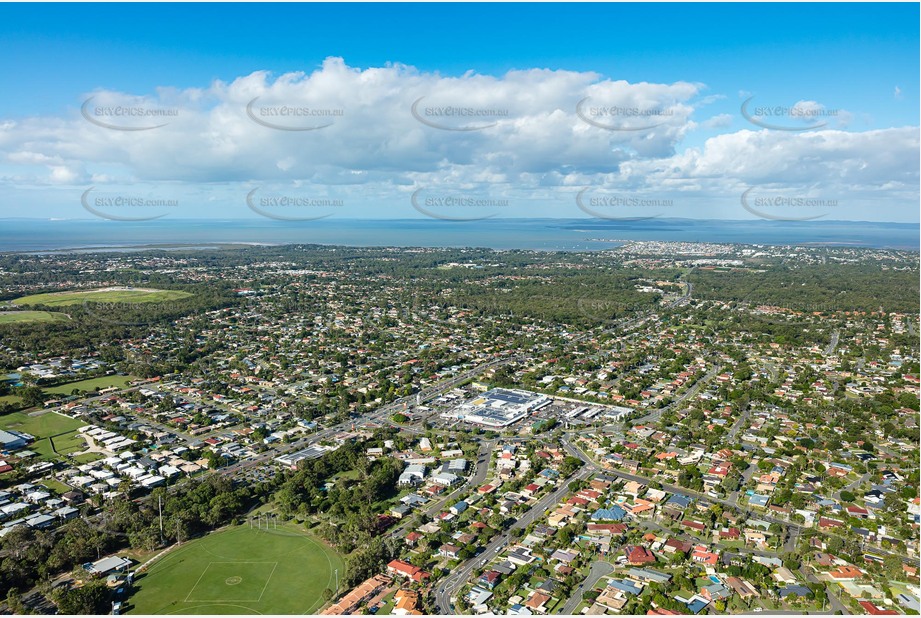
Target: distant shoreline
40,236
147,247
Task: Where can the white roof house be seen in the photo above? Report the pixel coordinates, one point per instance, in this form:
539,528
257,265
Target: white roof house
108,565
414,473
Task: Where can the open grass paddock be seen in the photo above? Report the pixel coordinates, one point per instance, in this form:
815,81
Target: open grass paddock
52,431
89,385
107,295
21,317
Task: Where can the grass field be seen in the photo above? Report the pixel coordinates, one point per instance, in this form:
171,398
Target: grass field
90,385
46,426
17,317
64,444
87,457
13,400
240,571
56,486
63,299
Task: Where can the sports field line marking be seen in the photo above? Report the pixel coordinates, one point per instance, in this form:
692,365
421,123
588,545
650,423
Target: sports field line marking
242,562
320,602
188,598
268,579
219,601
323,549
205,570
188,609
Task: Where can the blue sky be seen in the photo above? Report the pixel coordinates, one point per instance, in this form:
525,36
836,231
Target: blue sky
855,66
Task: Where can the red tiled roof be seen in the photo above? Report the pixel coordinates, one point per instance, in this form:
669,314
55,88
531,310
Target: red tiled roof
612,528
873,610
638,555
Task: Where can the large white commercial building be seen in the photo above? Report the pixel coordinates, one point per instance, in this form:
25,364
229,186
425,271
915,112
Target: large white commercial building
499,407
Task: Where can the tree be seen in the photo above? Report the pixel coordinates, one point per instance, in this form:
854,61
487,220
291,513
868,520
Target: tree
91,598
893,503
570,464
214,460
14,602
565,536
32,396
892,565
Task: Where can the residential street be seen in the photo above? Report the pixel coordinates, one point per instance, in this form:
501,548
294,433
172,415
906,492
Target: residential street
448,589
599,569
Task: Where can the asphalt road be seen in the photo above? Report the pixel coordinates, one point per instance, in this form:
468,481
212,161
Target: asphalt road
832,344
448,588
599,569
479,475
737,426
381,415
792,531
747,474
744,509
854,485
834,603
692,391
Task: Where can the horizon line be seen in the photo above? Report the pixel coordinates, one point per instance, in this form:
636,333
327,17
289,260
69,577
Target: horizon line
451,222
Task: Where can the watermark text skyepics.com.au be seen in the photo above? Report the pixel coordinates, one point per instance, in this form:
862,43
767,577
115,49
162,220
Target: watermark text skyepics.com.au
602,310
621,117
803,116
292,117
127,204
291,205
618,206
116,117
789,206
457,205
456,117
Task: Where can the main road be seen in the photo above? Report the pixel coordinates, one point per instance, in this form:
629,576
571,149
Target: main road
381,415
833,343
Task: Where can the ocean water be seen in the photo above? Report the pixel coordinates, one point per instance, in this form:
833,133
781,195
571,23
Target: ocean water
536,234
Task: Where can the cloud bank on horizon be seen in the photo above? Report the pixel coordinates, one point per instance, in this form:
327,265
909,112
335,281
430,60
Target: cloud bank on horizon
397,142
